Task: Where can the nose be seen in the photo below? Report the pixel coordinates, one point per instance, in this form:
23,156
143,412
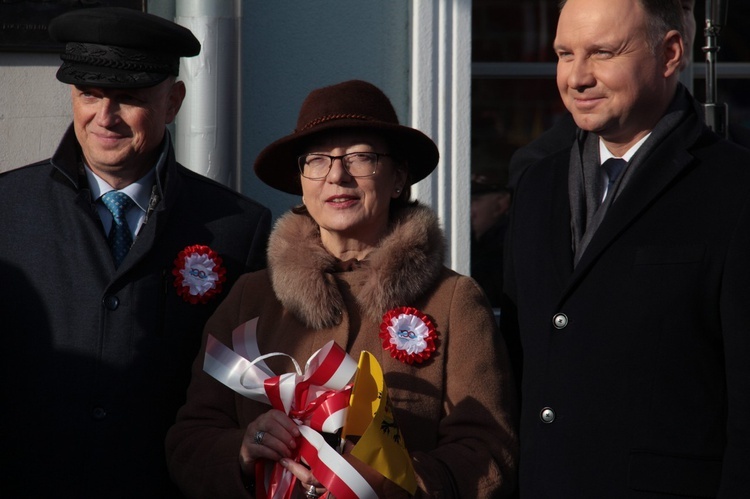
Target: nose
106,115
338,173
578,73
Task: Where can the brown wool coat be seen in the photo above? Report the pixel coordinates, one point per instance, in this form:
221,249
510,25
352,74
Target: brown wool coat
456,412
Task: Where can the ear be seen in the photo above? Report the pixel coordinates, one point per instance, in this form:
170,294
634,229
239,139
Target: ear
400,175
174,100
672,50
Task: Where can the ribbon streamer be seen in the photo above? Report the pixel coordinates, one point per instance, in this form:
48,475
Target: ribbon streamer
316,398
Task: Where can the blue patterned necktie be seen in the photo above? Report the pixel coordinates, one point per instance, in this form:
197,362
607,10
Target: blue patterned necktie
120,238
613,167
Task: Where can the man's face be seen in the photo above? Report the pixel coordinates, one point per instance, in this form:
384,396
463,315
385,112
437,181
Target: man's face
119,130
609,78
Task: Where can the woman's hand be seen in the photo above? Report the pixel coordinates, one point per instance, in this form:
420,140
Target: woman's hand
382,486
309,486
271,436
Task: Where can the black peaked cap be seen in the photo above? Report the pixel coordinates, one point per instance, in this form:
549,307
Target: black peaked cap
120,47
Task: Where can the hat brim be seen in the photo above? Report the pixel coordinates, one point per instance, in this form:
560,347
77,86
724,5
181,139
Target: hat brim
276,165
98,76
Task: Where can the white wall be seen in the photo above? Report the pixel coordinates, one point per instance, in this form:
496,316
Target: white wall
34,108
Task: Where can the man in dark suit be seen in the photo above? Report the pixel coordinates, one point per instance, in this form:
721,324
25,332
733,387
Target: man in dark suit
104,306
629,290
562,133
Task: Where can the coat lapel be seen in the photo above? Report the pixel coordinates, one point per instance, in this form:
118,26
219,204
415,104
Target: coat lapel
652,178
159,212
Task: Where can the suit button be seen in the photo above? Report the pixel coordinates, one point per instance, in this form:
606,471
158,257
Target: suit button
547,415
560,321
99,413
111,302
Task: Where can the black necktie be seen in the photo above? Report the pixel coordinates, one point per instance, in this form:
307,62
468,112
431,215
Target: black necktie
613,167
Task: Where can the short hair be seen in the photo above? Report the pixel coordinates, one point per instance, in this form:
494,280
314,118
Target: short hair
663,16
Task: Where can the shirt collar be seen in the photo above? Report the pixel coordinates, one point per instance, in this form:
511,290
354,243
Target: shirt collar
140,190
604,153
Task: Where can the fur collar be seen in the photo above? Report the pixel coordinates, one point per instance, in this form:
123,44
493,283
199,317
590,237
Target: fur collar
401,269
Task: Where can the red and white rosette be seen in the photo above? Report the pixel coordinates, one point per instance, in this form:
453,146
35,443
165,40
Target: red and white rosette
408,335
316,397
199,274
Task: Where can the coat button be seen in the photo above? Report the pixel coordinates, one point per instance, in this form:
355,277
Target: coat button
99,413
560,321
111,302
547,415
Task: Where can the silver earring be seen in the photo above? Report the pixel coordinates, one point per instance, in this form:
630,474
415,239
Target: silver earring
398,191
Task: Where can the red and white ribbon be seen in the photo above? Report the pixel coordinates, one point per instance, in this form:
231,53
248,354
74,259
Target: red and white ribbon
317,398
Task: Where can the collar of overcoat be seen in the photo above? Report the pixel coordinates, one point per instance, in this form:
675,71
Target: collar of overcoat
658,170
66,161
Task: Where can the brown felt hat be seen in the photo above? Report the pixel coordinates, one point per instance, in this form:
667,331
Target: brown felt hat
351,105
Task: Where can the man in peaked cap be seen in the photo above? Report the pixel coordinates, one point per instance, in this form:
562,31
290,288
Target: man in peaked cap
115,256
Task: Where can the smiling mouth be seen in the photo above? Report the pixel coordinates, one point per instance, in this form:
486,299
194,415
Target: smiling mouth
107,136
586,102
341,202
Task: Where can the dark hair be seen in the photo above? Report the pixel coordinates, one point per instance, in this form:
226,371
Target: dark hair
663,16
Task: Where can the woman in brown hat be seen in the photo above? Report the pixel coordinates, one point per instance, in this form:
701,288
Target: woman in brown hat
359,264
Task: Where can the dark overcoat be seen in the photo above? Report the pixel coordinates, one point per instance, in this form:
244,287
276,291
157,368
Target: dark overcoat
96,360
636,370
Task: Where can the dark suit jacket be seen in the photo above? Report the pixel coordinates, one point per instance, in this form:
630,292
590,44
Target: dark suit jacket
636,370
96,360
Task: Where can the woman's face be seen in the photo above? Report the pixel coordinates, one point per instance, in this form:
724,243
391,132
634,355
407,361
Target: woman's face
347,207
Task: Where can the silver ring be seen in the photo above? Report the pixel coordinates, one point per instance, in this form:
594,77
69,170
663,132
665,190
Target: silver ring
258,438
311,492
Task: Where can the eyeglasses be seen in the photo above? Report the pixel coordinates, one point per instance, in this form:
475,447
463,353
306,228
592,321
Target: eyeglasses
357,164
